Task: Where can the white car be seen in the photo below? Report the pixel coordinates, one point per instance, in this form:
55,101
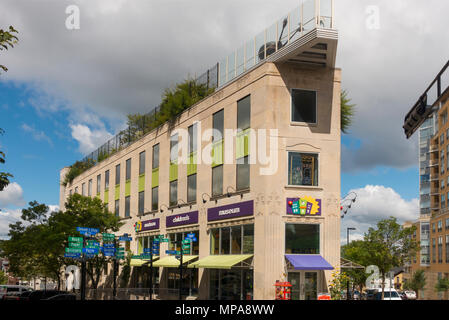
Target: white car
389,294
16,289
411,295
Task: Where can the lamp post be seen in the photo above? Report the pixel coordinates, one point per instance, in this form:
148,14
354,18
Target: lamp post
347,242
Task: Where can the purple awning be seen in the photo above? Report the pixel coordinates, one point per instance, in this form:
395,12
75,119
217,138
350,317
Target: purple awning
308,262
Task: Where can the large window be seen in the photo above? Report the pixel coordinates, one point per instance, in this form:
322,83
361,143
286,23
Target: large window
302,238
244,113
117,208
127,206
89,188
304,106
117,174
106,180
155,156
232,240
141,209
302,169
193,138
142,162
217,180
218,124
98,183
191,188
128,169
174,193
174,148
154,198
176,238
243,173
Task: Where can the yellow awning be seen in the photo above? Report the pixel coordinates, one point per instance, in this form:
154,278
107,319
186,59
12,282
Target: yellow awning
172,262
140,262
220,261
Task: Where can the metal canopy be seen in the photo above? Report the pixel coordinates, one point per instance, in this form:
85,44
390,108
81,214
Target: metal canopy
348,264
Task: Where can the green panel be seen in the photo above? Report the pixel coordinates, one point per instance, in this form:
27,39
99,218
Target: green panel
106,196
173,171
117,192
217,153
191,165
140,246
142,182
155,178
98,196
127,188
242,144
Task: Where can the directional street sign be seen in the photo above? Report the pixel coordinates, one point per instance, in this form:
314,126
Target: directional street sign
75,244
90,251
185,251
72,255
87,231
73,250
172,252
76,239
190,235
125,239
108,245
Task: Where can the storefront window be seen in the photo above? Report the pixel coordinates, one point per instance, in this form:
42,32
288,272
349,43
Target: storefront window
236,242
231,284
302,169
176,238
225,240
248,239
215,241
302,238
233,240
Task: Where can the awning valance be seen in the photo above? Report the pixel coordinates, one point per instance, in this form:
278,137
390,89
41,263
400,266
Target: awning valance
140,262
308,262
220,261
172,262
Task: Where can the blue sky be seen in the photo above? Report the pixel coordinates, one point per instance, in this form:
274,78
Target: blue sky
67,91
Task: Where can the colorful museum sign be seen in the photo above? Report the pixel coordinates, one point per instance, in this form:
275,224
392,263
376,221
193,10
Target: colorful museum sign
305,206
230,211
181,219
147,225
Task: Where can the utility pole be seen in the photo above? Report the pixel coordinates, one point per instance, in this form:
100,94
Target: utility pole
347,243
83,273
180,274
151,269
114,291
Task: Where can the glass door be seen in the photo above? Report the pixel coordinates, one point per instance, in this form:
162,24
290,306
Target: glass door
295,279
304,285
310,285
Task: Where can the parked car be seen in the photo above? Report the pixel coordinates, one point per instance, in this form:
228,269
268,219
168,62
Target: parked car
411,295
12,296
44,294
8,289
369,294
389,294
24,296
65,296
402,295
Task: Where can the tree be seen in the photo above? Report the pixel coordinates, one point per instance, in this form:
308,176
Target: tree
7,39
389,246
347,111
417,282
357,253
442,285
4,176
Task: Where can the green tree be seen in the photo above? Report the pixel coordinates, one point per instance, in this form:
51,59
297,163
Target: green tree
356,252
347,111
442,285
3,277
4,176
389,246
417,282
7,40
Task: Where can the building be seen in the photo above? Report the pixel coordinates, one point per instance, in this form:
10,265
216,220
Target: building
266,206
433,223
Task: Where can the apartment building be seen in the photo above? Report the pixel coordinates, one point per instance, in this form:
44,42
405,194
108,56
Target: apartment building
265,206
433,223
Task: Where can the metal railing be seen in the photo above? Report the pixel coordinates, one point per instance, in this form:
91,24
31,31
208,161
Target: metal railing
136,294
308,16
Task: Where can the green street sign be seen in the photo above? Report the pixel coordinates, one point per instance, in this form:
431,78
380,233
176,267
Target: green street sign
165,240
76,239
185,246
186,241
76,245
73,250
185,251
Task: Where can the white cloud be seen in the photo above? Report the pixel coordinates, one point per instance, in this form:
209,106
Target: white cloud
36,134
374,203
12,195
7,217
89,139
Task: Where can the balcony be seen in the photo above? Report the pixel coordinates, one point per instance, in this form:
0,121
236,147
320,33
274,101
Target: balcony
433,163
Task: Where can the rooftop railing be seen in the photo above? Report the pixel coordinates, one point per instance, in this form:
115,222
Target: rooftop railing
309,15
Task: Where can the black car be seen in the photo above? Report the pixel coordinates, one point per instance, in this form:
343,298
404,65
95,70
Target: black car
65,296
44,294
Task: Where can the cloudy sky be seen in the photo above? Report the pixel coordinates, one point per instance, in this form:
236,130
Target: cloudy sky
68,91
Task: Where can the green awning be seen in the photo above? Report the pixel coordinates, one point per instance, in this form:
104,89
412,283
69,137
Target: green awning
220,261
140,262
172,262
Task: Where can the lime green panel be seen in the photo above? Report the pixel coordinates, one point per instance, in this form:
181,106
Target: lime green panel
191,165
217,153
141,182
127,188
242,144
106,196
155,178
140,246
173,171
226,261
117,192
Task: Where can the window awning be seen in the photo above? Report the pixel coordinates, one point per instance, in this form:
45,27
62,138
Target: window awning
172,262
140,262
220,261
308,262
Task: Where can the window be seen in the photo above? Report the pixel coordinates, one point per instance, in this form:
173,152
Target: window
76,189
243,173
440,249
302,238
127,206
141,209
447,248
89,188
154,198
117,208
232,240
244,113
173,193
193,138
142,162
218,123
106,180
443,202
155,156
176,238
433,227
304,106
191,188
98,183
128,170
302,169
447,223
434,251
174,148
217,180
83,189
440,225
117,174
